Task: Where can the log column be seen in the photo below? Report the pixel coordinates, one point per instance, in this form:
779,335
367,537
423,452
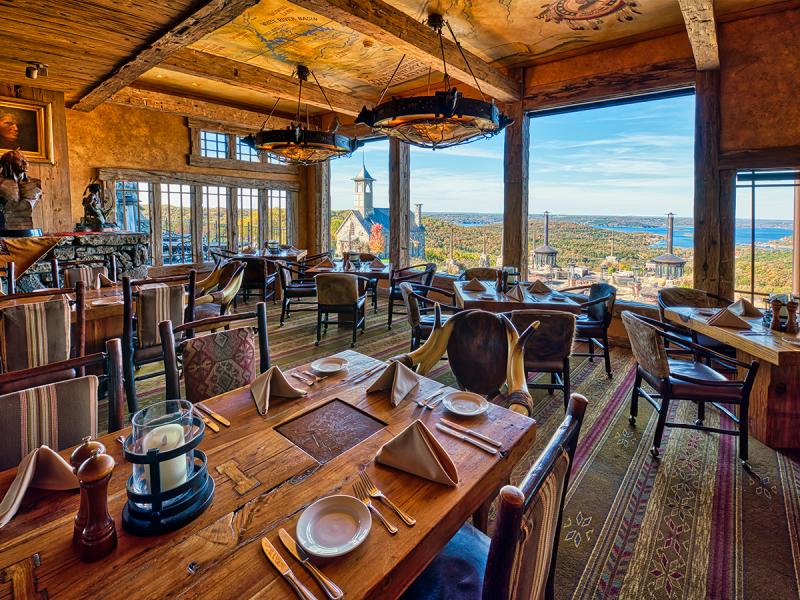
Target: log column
796,241
714,195
515,182
399,202
316,199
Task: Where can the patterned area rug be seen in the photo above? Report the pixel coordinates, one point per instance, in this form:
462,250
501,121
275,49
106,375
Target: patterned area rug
691,525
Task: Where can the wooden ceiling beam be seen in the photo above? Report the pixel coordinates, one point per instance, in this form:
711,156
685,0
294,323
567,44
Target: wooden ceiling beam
701,27
210,17
392,27
243,75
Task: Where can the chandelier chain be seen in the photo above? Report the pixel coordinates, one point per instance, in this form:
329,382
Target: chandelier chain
388,83
463,56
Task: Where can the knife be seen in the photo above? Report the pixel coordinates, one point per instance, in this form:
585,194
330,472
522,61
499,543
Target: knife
209,423
331,590
280,564
213,415
464,438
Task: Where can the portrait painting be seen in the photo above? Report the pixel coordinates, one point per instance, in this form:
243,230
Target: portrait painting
26,125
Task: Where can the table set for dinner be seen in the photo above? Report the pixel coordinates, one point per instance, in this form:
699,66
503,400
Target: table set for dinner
339,478
484,295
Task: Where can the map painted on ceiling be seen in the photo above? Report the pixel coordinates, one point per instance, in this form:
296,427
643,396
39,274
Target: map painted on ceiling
277,36
588,14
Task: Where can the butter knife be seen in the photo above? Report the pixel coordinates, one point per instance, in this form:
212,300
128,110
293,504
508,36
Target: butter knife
209,423
331,590
280,564
214,415
464,438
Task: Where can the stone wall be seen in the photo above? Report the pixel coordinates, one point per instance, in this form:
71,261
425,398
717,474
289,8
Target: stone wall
132,250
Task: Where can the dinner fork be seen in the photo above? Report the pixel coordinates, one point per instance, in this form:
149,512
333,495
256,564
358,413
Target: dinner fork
361,491
374,492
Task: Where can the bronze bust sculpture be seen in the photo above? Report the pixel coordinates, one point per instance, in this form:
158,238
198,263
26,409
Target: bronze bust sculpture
19,194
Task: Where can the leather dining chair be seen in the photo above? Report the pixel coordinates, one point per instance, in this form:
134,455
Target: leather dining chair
417,307
218,361
549,350
341,293
415,274
72,404
295,289
597,311
692,380
519,559
219,298
480,273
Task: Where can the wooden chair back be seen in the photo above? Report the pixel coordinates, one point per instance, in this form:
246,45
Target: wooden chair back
413,312
66,393
86,270
337,289
675,296
215,362
422,273
522,553
130,293
47,314
554,338
481,273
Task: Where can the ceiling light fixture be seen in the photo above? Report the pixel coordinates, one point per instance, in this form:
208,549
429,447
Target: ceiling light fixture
442,119
298,144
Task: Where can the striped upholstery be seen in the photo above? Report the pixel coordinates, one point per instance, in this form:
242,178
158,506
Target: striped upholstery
86,274
219,362
34,334
535,546
57,415
157,303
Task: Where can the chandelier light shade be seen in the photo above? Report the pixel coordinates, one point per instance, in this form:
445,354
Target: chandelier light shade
298,144
440,120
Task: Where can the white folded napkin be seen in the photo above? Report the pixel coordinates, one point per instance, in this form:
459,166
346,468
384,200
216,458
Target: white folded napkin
417,451
103,281
537,287
726,318
475,286
272,383
376,264
744,308
326,263
516,293
42,468
399,378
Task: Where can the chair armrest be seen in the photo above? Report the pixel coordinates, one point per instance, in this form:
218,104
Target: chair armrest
595,301
417,286
577,287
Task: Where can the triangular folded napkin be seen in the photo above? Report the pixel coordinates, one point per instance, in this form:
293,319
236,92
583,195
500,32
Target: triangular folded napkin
402,381
327,263
103,281
272,383
475,286
376,264
744,308
726,318
516,293
43,468
537,287
418,452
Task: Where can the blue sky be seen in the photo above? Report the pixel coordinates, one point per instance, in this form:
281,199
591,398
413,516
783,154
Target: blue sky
635,159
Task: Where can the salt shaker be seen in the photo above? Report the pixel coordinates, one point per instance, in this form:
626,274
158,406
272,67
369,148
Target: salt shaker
76,459
99,536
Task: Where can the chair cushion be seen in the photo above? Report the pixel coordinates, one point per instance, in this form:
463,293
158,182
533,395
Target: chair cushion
693,391
542,366
457,572
300,291
219,362
58,415
34,334
155,304
204,311
86,274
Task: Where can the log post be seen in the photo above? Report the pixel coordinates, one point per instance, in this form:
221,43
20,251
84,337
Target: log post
515,182
399,203
714,195
316,181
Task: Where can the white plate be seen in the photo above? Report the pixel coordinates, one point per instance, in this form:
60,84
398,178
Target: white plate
107,301
465,404
329,365
333,526
792,341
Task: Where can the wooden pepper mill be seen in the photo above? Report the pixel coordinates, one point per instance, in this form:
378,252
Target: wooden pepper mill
78,457
791,322
99,537
776,315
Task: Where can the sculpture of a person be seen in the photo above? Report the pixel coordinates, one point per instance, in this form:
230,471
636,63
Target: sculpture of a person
93,214
19,193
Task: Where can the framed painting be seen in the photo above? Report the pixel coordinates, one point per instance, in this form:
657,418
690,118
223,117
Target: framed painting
27,125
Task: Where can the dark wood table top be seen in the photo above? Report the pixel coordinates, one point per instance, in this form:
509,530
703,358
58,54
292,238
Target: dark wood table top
290,254
219,555
769,346
493,301
364,270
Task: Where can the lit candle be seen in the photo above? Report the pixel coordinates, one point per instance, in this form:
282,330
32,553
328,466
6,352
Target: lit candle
173,471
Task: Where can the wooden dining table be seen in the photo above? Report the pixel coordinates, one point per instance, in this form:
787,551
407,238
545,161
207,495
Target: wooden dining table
264,480
774,411
364,270
493,301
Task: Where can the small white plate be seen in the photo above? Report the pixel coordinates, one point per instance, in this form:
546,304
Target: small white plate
333,526
107,301
329,365
465,404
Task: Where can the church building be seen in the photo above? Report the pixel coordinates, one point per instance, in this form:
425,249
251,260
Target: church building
365,221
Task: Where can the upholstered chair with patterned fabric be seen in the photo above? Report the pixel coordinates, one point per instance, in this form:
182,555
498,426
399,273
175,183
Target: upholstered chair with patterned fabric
147,302
87,271
341,293
36,330
417,311
518,562
481,273
549,350
215,362
670,379
219,300
58,414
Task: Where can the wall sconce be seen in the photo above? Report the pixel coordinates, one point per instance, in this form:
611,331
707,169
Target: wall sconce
35,70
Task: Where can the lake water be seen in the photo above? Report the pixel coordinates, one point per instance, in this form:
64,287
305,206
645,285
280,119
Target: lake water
683,237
